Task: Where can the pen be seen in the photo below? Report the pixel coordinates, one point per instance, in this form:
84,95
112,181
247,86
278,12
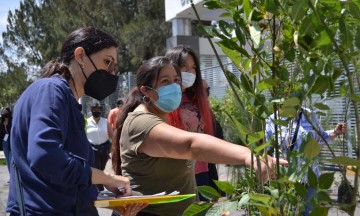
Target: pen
122,189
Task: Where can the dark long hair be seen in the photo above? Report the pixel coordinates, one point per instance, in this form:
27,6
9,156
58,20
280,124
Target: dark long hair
91,39
196,93
146,75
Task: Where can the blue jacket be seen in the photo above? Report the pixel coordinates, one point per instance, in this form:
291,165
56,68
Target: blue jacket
51,151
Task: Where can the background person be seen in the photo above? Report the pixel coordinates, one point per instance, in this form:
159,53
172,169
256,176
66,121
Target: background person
50,150
158,156
113,114
99,132
194,113
291,138
5,128
287,133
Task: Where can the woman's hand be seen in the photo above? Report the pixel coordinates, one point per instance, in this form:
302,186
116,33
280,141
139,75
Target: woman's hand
267,167
115,182
132,209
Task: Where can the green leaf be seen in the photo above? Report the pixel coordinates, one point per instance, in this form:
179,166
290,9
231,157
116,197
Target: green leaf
321,85
290,55
343,90
319,211
283,74
212,5
326,180
274,193
242,129
232,46
288,31
261,147
312,179
232,54
255,137
226,15
246,83
342,160
312,149
271,6
247,7
226,187
308,24
300,189
357,38
254,67
281,122
198,209
208,192
354,97
291,102
288,112
324,198
322,39
336,73
255,34
266,210
263,198
354,9
225,28
345,34
244,200
321,106
223,208
239,34
263,85
299,9
233,79
255,16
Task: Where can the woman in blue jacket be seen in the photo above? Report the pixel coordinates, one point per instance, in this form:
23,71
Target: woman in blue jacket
50,150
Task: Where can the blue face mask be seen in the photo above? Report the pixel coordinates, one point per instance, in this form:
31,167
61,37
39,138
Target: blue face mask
169,97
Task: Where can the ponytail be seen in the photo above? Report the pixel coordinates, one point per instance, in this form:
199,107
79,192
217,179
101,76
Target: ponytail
133,100
55,67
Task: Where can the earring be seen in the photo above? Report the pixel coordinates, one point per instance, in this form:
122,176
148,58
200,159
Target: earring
146,99
82,66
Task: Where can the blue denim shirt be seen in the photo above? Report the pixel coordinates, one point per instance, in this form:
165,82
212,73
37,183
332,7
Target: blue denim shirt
285,134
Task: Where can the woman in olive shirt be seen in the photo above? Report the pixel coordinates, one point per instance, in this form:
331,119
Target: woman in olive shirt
159,156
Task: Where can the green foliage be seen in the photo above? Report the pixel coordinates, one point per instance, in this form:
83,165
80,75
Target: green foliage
289,50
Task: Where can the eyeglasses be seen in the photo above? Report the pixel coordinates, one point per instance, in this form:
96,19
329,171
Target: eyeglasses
111,66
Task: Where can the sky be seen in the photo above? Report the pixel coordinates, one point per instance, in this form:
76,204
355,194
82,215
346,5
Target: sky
5,6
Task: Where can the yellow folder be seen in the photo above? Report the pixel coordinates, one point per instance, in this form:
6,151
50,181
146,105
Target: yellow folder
122,201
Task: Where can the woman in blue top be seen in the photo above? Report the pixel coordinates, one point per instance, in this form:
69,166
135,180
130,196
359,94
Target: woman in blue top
49,144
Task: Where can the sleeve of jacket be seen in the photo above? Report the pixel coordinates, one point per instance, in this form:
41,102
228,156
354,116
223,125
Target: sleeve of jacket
46,155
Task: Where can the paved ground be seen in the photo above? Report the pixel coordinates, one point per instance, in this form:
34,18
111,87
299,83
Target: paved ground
224,174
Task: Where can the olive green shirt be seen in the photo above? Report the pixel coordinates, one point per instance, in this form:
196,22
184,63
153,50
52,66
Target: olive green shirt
154,175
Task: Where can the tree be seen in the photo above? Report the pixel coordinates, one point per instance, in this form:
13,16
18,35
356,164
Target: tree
37,29
12,84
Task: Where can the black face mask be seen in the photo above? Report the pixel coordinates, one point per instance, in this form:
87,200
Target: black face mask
100,83
96,114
